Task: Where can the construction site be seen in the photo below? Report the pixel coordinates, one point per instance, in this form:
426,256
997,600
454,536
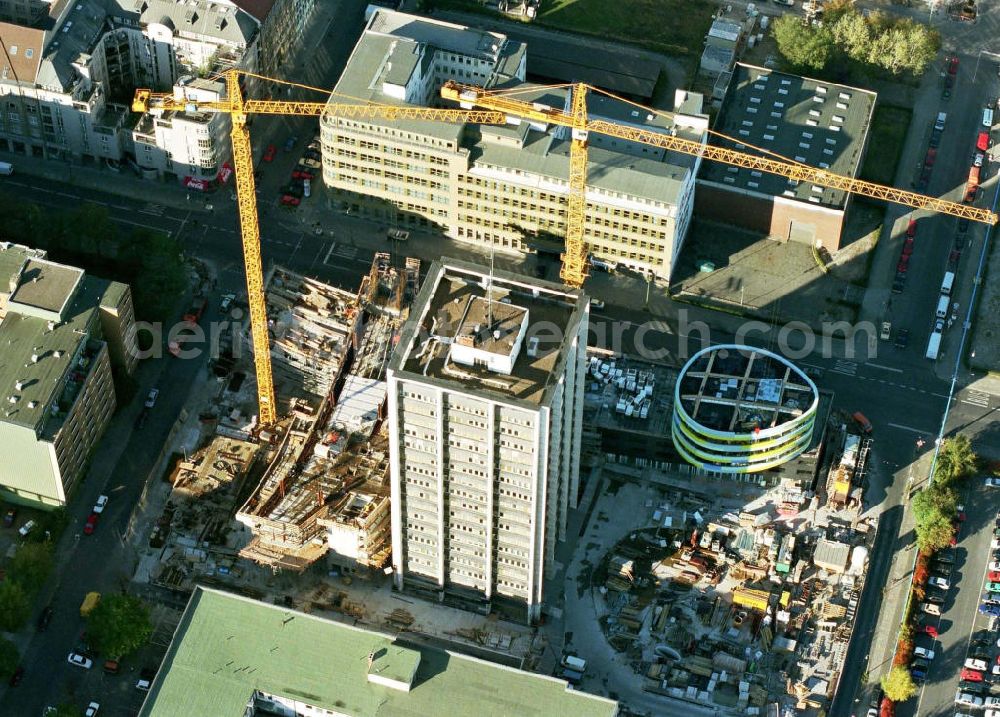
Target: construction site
726,595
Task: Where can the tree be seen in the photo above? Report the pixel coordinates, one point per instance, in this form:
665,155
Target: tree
31,565
119,625
853,34
934,509
15,608
898,684
10,658
955,460
804,46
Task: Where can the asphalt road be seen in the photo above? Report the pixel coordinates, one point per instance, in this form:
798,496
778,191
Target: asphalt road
897,389
886,388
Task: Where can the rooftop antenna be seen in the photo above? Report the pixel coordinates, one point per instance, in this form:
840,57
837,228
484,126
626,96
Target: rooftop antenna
489,290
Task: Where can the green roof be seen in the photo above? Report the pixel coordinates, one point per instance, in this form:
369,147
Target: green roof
228,647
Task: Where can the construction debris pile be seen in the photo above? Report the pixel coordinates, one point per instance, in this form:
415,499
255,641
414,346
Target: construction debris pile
744,611
193,534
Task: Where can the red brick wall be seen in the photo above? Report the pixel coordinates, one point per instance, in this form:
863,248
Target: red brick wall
768,215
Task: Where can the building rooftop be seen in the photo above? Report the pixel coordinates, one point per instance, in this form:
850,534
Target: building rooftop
437,319
739,389
389,50
228,650
45,288
820,124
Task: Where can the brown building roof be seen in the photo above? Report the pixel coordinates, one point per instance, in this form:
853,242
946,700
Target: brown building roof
22,52
259,9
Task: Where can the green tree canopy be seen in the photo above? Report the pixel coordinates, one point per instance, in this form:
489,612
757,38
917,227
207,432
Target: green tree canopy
119,625
955,460
896,45
898,684
31,565
15,608
934,509
10,658
804,46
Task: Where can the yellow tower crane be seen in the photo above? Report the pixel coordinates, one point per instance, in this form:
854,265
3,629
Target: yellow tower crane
575,257
494,108
246,197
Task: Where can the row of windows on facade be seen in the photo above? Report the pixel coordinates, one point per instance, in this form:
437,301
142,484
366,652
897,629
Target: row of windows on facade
426,543
378,129
507,416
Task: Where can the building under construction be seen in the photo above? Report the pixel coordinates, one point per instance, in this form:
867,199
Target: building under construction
314,326
325,488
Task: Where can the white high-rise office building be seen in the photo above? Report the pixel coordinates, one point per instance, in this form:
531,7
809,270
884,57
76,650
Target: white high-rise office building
485,417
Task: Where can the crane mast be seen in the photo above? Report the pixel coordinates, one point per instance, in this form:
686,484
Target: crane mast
574,269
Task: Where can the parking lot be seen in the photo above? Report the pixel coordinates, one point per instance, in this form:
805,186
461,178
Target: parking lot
964,632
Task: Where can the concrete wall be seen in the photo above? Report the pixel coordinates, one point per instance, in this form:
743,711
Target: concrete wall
778,217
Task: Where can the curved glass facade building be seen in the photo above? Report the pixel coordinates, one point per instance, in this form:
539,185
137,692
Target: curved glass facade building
739,409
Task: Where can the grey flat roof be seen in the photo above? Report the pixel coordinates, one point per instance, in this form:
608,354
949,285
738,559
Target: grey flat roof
576,60
46,286
228,648
805,120
379,55
553,316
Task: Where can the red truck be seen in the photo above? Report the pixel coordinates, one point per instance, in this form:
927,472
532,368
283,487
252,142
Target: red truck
193,314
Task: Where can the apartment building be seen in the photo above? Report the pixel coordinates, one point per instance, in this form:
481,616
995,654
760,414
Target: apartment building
68,74
485,416
504,186
62,333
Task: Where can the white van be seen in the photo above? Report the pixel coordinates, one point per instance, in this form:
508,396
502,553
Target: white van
942,307
988,118
947,283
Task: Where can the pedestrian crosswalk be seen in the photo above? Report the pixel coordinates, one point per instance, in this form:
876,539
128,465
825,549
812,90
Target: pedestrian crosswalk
977,398
848,368
338,252
154,209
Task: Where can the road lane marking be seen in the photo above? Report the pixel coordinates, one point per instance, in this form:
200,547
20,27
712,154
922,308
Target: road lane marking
977,398
909,428
884,368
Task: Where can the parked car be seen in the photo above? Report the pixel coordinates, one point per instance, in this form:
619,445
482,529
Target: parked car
991,610
940,582
75,658
952,65
908,243
975,663
102,501
146,676
269,153
923,652
993,482
993,576
930,608
971,675
227,301
862,421
902,338
151,397
290,143
966,698
290,201
930,630
92,709
26,528
9,517
302,174
45,618
90,525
